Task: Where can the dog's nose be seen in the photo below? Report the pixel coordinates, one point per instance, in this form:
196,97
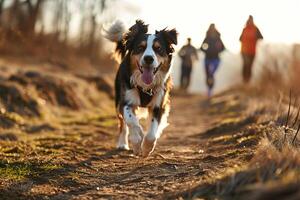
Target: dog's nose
148,59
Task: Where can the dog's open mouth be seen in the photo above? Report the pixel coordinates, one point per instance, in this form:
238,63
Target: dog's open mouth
148,73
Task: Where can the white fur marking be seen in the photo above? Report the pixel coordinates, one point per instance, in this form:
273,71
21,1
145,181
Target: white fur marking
135,129
141,113
123,138
163,123
152,134
156,128
132,97
129,117
150,52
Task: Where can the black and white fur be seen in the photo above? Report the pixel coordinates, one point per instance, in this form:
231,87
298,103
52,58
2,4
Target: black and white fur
142,82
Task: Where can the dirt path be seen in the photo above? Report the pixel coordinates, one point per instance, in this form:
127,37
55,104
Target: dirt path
78,161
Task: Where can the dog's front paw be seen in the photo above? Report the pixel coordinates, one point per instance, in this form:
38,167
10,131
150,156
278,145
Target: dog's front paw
136,145
136,139
148,146
123,147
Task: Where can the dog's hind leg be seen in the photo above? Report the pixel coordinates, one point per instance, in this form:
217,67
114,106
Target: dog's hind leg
135,129
123,137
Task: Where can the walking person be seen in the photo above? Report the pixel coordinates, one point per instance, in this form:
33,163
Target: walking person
249,37
188,55
212,46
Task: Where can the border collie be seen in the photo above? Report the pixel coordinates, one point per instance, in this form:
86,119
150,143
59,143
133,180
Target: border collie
142,81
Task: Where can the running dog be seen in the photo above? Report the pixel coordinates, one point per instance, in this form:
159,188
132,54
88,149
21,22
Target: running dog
142,81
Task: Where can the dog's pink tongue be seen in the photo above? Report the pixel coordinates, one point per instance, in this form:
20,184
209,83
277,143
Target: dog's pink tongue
147,76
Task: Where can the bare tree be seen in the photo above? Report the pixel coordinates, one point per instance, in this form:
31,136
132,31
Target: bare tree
25,16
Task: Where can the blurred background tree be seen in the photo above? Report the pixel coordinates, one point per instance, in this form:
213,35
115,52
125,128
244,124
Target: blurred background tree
34,27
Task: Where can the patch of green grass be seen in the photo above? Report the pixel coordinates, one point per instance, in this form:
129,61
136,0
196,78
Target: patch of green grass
14,171
17,171
50,167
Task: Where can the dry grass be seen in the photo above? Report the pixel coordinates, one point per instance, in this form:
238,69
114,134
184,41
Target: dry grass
273,172
279,72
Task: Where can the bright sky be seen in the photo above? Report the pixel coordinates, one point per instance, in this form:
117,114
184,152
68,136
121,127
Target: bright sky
278,20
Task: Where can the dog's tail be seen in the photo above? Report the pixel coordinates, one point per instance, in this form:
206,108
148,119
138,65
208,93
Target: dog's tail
115,33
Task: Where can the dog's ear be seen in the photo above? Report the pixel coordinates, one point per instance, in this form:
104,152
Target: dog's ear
170,36
138,28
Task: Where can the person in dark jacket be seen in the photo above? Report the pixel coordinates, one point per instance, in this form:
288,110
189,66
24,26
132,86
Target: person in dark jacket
212,46
188,54
249,37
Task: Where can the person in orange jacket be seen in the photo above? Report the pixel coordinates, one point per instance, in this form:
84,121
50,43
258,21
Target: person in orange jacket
249,37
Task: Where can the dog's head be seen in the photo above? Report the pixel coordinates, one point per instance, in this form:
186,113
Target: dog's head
150,54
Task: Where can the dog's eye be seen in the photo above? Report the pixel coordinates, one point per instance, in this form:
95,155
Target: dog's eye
141,48
157,48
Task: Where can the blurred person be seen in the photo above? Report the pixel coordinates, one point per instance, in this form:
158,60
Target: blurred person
249,37
212,46
188,55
